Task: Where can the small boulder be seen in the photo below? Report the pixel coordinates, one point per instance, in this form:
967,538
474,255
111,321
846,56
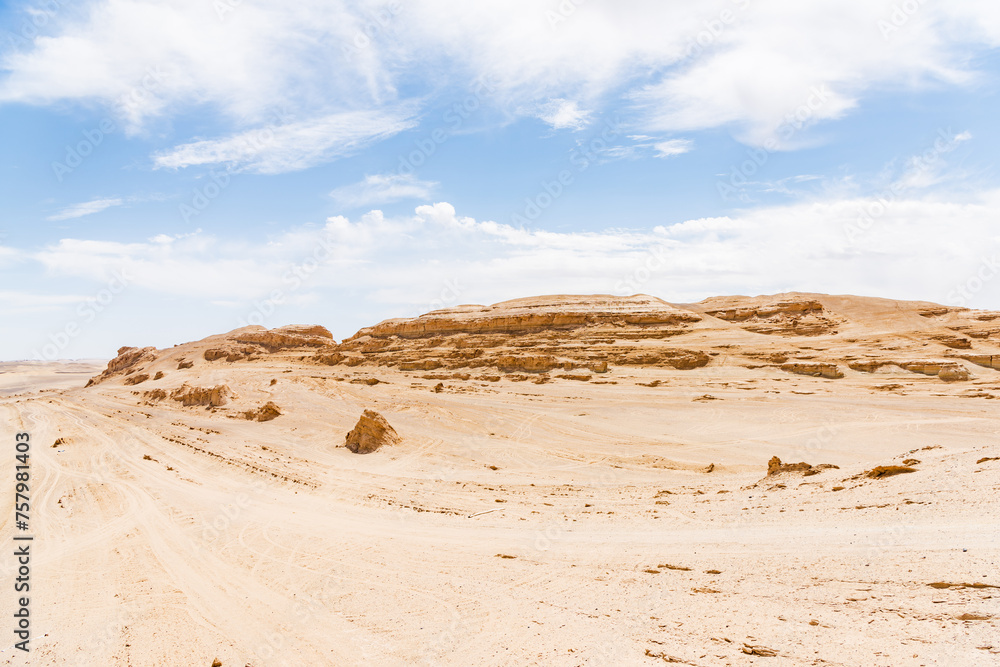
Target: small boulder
264,413
881,472
371,432
954,373
776,467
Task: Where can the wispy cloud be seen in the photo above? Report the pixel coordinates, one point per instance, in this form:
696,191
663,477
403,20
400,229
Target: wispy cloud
672,147
292,146
645,146
675,67
86,208
383,188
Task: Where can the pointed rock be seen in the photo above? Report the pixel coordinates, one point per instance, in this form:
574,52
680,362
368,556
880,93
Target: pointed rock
371,432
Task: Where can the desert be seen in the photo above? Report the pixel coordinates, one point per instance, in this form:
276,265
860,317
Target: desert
507,333
794,479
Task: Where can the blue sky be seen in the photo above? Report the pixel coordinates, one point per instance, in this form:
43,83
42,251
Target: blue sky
175,169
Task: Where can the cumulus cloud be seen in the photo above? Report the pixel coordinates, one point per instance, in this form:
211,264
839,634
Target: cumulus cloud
86,208
383,188
830,246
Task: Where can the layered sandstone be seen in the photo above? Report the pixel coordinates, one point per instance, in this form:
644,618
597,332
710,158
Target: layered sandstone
551,337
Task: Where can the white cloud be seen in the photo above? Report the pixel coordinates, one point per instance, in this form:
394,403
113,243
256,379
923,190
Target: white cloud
292,146
929,169
85,208
564,115
383,188
918,248
147,59
672,147
33,302
758,67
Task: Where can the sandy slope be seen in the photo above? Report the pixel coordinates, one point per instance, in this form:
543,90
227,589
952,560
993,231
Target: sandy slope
172,535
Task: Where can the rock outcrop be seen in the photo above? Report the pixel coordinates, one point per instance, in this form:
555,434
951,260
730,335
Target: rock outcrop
776,467
881,472
985,360
291,336
264,413
548,338
766,315
212,396
538,314
813,368
129,360
529,336
371,432
230,352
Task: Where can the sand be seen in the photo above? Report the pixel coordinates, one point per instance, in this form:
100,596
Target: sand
563,523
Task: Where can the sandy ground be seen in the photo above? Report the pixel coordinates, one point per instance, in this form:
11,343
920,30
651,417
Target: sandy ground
569,523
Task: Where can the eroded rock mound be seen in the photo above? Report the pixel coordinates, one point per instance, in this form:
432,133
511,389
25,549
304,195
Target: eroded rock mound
533,335
213,396
129,360
528,363
371,432
880,472
766,315
138,378
264,413
292,336
776,467
538,313
539,338
230,353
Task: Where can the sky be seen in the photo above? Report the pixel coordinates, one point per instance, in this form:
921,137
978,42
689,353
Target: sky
175,169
